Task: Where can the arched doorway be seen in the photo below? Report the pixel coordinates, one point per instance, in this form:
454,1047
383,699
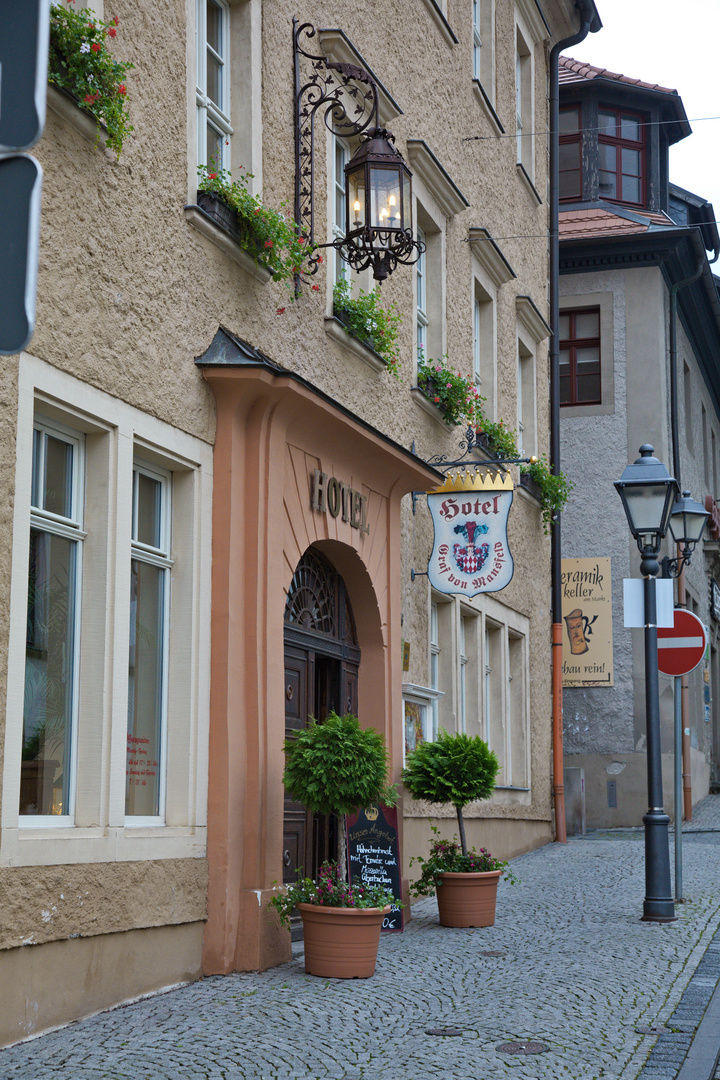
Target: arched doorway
321,672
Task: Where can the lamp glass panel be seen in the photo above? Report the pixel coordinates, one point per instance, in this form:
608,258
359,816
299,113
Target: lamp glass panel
385,198
645,507
686,526
356,199
406,202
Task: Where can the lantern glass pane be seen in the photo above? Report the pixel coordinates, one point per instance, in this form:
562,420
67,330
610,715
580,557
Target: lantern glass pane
406,203
356,199
645,507
385,198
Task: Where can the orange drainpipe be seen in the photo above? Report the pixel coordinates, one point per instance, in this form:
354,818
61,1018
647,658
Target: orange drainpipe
558,777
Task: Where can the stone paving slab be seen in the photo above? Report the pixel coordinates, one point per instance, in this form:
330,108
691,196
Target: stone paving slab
579,973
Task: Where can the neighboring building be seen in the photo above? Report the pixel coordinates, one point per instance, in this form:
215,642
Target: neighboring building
629,239
209,474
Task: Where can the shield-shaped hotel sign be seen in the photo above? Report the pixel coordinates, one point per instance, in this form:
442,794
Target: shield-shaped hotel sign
470,553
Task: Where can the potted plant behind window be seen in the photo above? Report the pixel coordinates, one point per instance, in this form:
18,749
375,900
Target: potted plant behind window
457,770
337,767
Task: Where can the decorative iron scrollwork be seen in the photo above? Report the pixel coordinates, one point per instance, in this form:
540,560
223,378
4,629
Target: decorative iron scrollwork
335,90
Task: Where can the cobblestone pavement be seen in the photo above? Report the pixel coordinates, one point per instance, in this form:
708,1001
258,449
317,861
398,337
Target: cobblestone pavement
576,971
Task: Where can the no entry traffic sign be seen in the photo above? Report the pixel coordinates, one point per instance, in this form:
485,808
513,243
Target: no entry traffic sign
681,646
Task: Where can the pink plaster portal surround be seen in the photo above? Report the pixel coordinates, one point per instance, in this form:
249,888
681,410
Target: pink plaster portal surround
273,431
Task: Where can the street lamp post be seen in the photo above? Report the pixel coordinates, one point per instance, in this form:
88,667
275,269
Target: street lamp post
687,525
647,492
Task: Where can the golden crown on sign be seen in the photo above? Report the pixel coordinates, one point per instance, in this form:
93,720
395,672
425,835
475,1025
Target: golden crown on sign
478,480
371,813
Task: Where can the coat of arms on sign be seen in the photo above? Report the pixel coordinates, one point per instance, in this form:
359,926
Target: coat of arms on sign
470,551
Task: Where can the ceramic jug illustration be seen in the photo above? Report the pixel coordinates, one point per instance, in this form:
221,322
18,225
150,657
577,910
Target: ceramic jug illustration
577,625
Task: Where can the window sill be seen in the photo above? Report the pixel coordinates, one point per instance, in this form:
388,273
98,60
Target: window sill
335,329
211,230
441,22
525,177
67,108
432,410
487,107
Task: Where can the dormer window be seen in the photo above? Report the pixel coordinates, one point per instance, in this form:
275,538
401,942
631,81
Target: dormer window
621,145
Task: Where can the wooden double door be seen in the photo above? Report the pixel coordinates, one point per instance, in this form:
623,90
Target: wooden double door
322,659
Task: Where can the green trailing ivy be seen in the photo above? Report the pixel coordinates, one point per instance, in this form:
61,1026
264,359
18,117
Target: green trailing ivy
461,403
80,62
270,236
365,319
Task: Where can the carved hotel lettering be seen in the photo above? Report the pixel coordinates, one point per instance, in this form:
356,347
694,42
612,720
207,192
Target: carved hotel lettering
330,496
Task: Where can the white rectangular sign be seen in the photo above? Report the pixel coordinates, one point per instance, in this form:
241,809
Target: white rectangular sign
634,602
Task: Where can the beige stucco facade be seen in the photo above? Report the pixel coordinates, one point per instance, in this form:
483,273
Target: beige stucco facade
133,285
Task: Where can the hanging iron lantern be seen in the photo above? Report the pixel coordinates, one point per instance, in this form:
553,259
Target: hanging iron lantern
378,197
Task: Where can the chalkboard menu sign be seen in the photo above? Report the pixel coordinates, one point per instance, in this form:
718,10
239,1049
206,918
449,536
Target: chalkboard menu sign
373,855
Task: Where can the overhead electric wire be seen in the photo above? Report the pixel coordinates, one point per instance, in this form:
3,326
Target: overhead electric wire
580,131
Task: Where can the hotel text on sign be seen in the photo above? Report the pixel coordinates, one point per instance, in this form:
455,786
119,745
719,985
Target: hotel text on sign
470,552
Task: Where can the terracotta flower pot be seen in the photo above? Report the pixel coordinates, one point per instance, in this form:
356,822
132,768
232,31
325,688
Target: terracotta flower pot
341,943
467,899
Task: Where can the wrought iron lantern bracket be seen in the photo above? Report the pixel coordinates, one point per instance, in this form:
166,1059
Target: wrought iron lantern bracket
346,97
468,446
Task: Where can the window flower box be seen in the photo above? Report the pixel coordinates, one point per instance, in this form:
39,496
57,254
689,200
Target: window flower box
531,486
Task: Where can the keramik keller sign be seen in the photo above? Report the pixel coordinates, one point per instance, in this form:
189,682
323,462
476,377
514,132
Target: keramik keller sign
470,553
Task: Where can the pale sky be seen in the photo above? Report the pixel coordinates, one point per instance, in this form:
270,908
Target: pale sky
675,44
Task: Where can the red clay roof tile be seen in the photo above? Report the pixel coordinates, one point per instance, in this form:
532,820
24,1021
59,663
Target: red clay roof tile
574,71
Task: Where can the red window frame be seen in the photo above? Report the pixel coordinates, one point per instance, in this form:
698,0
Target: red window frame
620,143
572,138
571,344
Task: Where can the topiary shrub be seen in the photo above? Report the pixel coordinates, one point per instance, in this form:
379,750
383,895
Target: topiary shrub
337,767
457,769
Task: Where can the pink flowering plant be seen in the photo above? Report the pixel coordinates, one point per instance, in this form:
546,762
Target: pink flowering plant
365,319
461,402
458,398
446,856
330,890
269,235
81,63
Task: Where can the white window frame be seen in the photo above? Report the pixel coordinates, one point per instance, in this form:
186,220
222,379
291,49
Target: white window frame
524,99
340,156
116,435
462,673
70,528
434,653
421,317
209,112
159,557
508,728
477,39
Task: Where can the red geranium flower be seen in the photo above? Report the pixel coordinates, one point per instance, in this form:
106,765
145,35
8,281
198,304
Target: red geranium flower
280,311
436,399
122,89
268,243
212,176
112,32
320,258
316,288
115,20
96,46
90,99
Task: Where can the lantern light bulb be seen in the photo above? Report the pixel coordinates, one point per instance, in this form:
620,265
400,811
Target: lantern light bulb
391,200
356,206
